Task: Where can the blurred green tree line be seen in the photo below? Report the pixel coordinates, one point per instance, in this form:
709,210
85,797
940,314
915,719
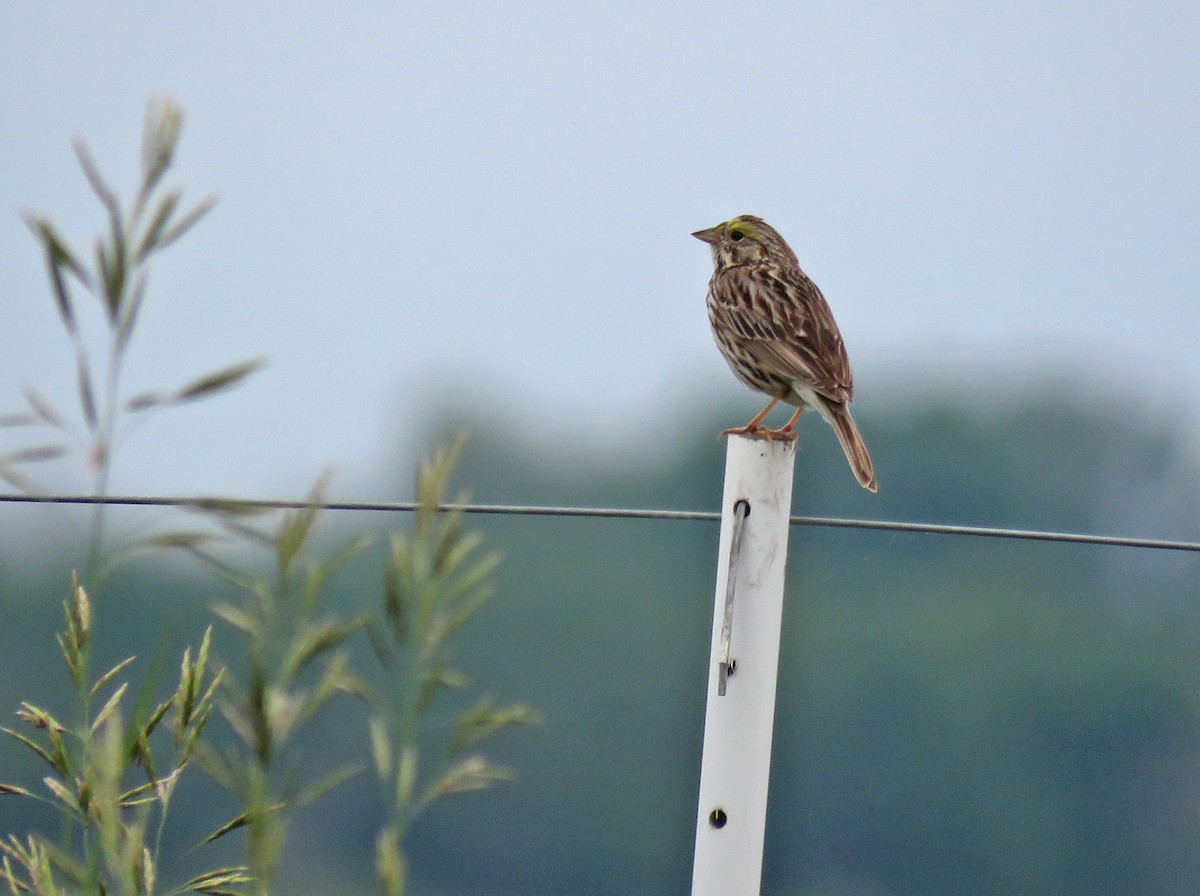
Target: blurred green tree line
956,715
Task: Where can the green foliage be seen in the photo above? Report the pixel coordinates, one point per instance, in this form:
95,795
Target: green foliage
113,826
295,646
117,280
106,848
437,579
295,664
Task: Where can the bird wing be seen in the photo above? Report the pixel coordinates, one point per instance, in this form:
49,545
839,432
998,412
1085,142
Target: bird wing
784,324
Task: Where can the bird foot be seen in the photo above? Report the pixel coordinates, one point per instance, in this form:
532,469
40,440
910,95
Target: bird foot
761,432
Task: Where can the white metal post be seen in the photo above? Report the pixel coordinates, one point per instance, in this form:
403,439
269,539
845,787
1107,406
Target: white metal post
740,713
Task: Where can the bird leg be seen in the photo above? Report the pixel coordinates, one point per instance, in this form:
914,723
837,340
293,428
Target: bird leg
791,424
752,427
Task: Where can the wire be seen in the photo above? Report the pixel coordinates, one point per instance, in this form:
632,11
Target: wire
627,513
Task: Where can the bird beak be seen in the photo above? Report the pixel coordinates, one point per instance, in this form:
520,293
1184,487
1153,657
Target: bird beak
709,236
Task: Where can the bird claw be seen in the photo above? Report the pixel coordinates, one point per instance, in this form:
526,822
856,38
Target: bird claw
762,432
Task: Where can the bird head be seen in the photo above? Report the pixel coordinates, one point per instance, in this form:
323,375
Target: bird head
745,240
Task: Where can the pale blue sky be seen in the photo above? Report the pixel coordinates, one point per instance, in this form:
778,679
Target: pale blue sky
496,199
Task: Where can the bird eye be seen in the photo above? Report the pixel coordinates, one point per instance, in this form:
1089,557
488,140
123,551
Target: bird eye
737,235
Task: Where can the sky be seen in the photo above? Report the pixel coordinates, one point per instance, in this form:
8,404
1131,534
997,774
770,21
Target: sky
492,203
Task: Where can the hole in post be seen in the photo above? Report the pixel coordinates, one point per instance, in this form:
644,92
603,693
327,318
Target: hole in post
741,507
731,667
717,818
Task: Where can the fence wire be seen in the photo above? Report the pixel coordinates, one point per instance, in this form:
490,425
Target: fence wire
626,513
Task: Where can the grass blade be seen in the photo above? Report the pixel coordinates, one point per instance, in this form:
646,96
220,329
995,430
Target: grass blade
218,380
187,222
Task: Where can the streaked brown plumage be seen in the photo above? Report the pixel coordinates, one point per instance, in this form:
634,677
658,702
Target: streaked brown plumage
776,331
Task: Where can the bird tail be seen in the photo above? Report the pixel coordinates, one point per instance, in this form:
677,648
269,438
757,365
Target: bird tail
852,443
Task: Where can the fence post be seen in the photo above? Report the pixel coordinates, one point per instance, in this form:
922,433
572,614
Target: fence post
744,660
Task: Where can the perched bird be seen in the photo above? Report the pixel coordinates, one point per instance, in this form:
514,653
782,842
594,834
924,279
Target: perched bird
778,335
